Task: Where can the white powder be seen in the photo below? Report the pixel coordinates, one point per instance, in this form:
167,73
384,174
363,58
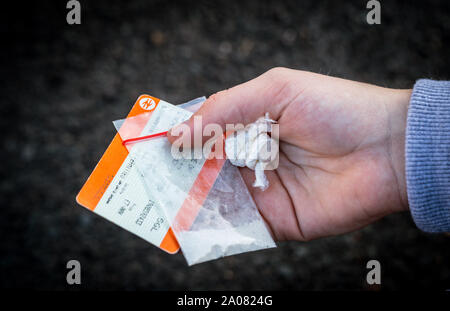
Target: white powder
207,244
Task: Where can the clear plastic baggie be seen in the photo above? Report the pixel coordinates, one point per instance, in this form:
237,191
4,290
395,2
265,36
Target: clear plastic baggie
206,201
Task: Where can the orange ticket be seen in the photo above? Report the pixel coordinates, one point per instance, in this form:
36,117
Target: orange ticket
115,190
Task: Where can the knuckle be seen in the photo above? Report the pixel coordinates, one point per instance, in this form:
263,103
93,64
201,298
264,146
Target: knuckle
216,97
276,71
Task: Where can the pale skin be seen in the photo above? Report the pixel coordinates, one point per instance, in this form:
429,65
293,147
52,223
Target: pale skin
341,150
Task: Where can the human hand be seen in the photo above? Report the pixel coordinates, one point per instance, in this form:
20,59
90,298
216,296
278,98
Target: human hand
341,162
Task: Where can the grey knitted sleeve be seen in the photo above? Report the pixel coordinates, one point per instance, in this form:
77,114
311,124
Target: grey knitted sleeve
428,155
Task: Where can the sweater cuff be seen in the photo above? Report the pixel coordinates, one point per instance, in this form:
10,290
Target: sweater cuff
428,155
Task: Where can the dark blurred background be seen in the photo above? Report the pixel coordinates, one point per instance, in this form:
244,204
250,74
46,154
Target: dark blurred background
62,85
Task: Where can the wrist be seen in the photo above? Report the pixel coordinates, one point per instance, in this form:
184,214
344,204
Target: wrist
397,108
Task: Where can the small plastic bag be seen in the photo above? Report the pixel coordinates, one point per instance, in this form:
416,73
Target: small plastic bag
206,201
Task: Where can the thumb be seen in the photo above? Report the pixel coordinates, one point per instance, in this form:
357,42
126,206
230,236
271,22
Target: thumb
241,104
